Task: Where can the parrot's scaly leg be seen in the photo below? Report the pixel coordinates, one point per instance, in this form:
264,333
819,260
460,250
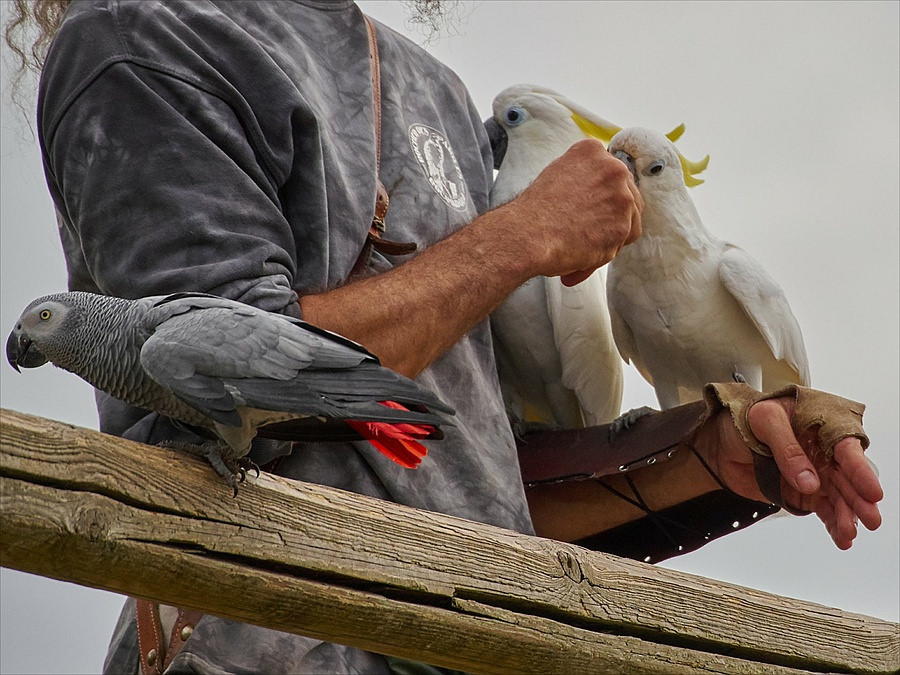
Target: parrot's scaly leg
627,420
233,470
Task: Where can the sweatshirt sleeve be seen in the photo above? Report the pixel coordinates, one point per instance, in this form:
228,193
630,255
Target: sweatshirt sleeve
160,189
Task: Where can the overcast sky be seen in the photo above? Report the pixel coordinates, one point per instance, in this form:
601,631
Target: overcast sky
797,104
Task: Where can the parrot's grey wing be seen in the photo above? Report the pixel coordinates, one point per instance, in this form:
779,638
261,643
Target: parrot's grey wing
351,394
228,355
197,354
239,320
765,303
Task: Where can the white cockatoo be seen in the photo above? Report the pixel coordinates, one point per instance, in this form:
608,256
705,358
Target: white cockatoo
688,308
556,356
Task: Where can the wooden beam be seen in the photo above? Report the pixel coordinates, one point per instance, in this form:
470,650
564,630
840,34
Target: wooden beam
96,510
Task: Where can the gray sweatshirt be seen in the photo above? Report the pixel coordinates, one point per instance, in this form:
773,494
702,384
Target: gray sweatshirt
228,147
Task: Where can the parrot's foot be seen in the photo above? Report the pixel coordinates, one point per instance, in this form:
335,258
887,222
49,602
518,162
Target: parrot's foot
737,377
233,470
521,428
627,420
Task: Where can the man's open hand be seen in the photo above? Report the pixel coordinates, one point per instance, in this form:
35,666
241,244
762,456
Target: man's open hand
842,490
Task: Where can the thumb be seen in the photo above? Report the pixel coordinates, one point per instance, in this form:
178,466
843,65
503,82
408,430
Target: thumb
575,278
770,423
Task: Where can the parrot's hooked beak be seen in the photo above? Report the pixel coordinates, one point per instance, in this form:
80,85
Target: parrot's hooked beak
499,140
20,351
628,161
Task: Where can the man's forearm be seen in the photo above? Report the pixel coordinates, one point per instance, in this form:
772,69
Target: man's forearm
575,217
574,510
412,314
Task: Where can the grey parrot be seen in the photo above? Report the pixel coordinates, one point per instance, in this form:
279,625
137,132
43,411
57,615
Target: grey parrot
230,369
688,308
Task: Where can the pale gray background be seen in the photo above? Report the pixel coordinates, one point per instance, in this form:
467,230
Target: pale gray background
797,103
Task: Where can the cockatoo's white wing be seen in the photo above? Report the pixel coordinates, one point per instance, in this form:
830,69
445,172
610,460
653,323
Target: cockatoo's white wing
591,366
528,359
765,303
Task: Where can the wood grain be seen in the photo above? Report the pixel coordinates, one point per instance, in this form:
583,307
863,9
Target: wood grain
100,511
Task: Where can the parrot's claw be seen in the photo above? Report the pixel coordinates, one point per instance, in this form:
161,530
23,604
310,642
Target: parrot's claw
627,420
521,428
737,377
245,464
234,471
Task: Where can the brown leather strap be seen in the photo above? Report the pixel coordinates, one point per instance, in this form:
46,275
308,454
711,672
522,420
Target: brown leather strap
581,454
375,66
150,638
181,631
155,657
375,237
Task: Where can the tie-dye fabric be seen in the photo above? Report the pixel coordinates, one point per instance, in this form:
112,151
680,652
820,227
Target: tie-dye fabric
228,147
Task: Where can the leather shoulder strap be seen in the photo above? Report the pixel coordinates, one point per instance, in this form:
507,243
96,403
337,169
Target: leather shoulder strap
155,654
375,239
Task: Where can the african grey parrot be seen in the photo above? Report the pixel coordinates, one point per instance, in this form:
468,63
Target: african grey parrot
227,368
688,308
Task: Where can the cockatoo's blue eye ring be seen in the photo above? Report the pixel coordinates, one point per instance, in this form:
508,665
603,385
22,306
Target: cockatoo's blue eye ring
45,314
514,115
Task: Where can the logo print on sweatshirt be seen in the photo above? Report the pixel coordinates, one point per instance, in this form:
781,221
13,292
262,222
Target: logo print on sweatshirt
437,160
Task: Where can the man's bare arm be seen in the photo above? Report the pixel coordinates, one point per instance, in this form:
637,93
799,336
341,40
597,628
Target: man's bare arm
575,217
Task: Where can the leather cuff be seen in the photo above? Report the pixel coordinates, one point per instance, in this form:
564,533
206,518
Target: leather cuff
833,417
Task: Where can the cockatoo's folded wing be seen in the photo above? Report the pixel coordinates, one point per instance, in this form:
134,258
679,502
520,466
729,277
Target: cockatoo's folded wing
765,303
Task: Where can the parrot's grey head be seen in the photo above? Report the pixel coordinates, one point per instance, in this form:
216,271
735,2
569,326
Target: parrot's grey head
47,331
654,161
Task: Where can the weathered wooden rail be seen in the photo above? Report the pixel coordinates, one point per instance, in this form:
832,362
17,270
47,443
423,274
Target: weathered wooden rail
99,511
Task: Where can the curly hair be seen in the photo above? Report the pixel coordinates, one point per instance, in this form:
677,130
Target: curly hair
28,33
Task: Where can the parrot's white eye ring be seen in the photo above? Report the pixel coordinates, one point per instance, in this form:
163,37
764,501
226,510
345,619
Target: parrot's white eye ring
514,115
655,168
45,314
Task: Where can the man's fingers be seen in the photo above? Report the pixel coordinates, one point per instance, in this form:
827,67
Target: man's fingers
852,481
845,527
770,424
850,457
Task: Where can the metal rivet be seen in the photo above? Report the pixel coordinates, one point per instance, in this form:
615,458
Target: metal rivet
671,453
652,460
623,467
151,657
736,524
186,632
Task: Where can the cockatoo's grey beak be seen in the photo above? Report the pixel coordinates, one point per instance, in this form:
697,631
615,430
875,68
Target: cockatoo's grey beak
20,351
499,140
628,161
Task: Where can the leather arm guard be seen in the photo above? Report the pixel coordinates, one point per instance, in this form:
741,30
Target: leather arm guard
593,454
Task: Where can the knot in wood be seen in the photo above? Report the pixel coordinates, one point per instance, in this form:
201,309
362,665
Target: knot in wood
570,565
92,523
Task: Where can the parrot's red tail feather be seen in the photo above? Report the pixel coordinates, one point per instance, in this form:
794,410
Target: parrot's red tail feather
396,441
